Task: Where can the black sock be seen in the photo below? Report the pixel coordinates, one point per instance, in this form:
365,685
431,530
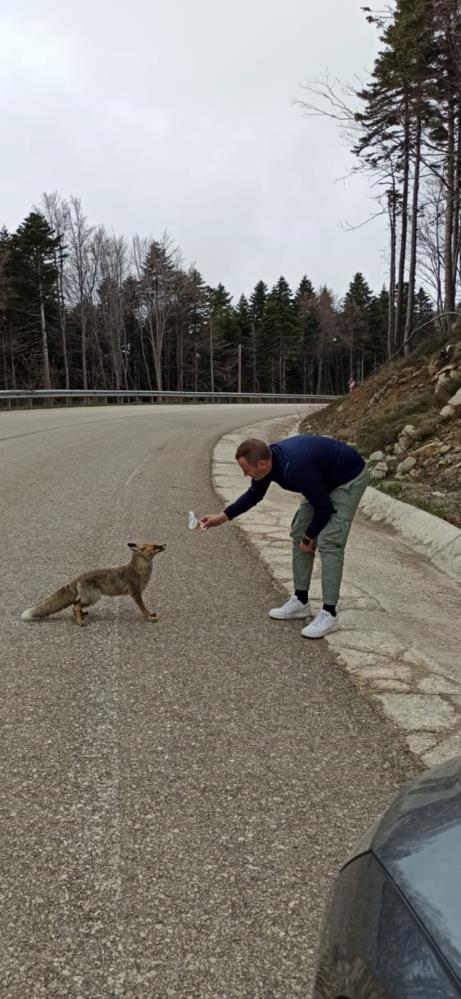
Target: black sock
302,596
330,608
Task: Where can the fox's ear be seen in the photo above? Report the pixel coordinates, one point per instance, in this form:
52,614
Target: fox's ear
131,544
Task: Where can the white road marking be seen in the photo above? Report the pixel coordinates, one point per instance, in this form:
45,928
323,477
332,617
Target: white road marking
137,469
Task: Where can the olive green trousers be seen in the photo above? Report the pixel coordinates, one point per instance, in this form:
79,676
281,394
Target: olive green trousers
331,541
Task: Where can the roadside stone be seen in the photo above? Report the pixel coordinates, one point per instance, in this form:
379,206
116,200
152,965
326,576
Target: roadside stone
448,411
417,711
455,400
438,685
441,381
362,602
421,742
379,471
375,666
406,465
360,642
393,686
374,674
376,456
443,751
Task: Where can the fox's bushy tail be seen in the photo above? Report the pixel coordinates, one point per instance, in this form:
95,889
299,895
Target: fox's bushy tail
58,601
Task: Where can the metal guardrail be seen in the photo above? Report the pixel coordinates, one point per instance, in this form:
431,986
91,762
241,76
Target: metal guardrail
31,395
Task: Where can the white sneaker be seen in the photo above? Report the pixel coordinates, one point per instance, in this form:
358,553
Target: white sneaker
321,625
292,609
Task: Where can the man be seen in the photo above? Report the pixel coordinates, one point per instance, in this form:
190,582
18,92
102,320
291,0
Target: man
332,477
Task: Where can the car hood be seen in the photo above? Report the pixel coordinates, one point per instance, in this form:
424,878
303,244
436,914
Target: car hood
418,842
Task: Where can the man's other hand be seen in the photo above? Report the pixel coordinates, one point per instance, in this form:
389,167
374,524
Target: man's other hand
308,547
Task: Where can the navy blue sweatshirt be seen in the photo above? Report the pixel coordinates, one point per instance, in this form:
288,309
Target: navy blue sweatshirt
306,464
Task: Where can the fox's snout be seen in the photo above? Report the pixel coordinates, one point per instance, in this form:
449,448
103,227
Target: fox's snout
148,549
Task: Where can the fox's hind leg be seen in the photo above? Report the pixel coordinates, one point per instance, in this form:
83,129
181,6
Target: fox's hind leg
79,614
85,598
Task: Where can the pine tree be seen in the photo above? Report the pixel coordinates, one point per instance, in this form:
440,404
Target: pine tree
243,324
159,287
223,340
307,323
397,105
191,322
356,323
278,335
377,342
329,328
32,276
423,318
258,303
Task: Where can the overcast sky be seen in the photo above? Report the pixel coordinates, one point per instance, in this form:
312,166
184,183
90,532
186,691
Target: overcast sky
177,115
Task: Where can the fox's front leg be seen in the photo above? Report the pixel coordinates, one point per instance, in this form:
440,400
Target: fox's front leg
149,615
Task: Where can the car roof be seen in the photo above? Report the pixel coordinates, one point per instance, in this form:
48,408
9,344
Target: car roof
418,842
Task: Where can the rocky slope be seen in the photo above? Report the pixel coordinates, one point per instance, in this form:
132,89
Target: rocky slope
406,420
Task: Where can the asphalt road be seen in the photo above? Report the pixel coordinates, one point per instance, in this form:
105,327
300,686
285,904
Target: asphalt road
174,797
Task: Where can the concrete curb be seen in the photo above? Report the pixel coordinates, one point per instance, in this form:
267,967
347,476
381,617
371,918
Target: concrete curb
431,536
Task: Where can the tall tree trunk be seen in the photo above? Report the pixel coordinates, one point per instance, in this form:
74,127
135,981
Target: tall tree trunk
180,359
157,367
320,366
5,366
144,360
12,364
44,336
59,264
449,287
211,355
83,345
196,356
457,204
414,239
156,342
403,228
392,271
57,214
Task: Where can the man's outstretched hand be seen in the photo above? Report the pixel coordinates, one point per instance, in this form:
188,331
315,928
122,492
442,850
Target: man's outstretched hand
212,520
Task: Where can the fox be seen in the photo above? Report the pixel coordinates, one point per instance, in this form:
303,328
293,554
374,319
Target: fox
85,590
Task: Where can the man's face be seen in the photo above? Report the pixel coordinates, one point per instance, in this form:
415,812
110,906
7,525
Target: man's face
258,471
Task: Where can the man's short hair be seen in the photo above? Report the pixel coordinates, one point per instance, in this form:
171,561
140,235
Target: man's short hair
253,450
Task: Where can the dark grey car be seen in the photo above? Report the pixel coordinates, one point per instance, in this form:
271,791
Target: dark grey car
393,929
